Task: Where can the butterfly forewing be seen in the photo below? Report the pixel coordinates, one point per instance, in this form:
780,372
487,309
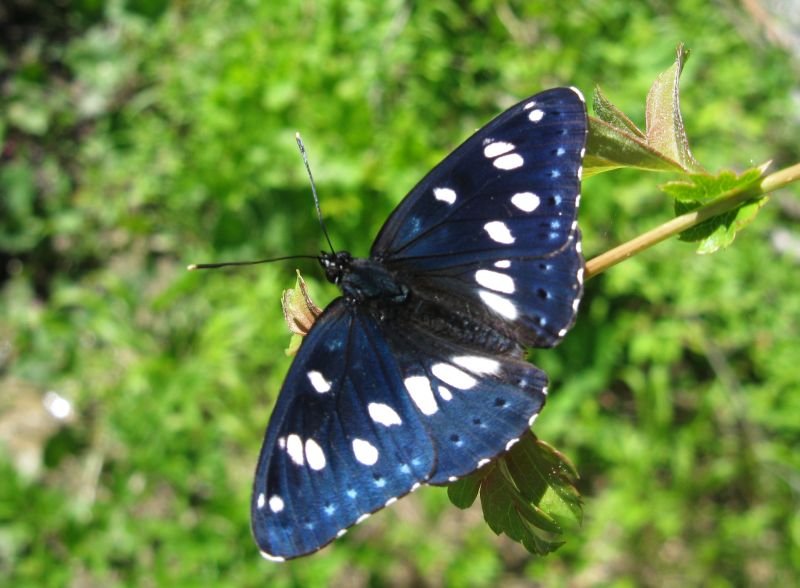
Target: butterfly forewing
342,441
494,225
514,185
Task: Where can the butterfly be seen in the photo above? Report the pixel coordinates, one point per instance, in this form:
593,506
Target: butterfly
417,373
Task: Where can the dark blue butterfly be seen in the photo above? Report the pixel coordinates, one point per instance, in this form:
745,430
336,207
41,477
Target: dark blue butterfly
416,374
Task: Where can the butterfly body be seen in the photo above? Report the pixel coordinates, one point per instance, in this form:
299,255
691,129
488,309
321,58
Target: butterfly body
416,374
362,280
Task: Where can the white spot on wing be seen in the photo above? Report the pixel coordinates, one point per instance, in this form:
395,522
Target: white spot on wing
261,500
390,501
509,162
383,414
503,264
495,281
477,364
314,455
450,374
275,503
497,148
319,382
499,232
341,533
526,201
502,306
445,195
529,105
362,518
444,393
483,462
419,387
294,447
578,92
270,557
365,452
535,115
532,419
511,444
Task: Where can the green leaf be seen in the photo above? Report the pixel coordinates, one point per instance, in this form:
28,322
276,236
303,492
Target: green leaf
665,132
608,112
546,476
463,492
608,147
700,190
615,141
528,493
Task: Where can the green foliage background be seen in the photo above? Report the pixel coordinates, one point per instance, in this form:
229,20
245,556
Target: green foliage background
140,136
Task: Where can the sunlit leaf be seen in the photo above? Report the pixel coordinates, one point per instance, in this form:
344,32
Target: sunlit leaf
701,189
608,112
609,147
664,127
299,311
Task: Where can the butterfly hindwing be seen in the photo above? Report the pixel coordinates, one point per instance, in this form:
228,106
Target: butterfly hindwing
342,440
475,405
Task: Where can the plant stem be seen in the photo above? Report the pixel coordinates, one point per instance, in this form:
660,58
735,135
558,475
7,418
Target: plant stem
724,203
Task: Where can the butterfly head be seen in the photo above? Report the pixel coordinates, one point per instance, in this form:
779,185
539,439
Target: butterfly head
336,265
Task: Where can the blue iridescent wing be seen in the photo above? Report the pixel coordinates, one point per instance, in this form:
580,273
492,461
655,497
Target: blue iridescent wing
368,413
493,228
342,440
475,403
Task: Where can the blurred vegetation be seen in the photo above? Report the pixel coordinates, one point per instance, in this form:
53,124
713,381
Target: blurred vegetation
138,136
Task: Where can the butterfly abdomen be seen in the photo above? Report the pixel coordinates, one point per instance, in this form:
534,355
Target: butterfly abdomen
463,326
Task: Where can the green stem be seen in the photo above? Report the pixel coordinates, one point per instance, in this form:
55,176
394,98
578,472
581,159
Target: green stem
681,223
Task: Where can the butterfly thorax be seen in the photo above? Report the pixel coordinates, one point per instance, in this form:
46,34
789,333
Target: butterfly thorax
362,280
369,283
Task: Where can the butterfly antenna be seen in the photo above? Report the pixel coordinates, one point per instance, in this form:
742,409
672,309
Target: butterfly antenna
199,266
313,189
